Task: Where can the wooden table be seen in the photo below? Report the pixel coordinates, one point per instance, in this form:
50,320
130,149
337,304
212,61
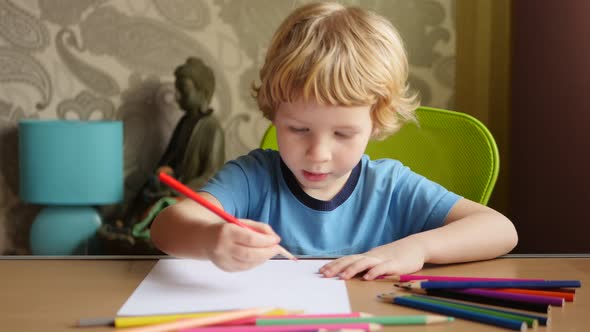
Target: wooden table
52,294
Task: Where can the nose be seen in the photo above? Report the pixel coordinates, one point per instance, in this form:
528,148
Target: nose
318,150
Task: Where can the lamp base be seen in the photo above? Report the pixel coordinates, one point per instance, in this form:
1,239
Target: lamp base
64,230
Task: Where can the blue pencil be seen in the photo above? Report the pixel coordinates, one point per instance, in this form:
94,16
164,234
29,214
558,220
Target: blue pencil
407,301
543,320
490,284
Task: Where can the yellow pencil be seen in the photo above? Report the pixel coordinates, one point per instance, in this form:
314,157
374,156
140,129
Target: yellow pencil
133,321
200,321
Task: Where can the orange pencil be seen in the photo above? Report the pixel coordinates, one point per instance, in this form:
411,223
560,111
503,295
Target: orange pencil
188,192
569,297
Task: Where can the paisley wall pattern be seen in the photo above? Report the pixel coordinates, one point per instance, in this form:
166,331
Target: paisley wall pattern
114,59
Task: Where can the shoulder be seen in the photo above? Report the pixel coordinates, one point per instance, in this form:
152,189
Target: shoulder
389,174
260,156
258,160
383,167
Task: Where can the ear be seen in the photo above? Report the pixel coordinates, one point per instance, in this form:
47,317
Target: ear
271,117
375,132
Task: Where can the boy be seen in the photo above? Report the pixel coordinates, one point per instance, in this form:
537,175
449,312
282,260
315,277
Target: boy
333,78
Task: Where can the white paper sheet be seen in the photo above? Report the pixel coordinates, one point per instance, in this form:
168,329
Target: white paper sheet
178,285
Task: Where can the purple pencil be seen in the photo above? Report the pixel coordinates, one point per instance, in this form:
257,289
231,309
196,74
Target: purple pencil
410,277
556,301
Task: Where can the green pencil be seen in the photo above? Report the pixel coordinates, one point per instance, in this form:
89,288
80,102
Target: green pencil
383,320
531,322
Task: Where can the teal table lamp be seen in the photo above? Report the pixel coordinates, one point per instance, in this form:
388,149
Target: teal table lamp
70,167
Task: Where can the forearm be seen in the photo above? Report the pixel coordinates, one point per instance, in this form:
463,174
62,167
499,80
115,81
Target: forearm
184,230
471,232
479,236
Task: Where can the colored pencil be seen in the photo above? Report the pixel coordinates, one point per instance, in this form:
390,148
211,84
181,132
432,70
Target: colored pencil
410,277
188,192
252,320
567,296
412,302
564,290
382,320
131,321
490,284
555,301
514,304
288,328
199,321
252,328
532,320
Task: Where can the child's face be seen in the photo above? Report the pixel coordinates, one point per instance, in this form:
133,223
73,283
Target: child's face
321,144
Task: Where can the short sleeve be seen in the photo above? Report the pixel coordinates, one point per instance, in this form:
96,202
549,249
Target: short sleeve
239,183
420,204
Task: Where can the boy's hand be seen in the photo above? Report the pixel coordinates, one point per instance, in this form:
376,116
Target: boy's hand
400,257
234,248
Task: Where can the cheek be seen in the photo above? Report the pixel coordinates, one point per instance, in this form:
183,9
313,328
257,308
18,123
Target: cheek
349,154
288,145
282,140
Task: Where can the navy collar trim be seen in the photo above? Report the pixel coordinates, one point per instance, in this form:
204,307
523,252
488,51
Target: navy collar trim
317,204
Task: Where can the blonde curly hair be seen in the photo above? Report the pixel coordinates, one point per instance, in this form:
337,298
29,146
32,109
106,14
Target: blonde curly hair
338,55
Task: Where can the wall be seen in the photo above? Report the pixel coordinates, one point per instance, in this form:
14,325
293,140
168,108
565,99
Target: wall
93,59
550,182
483,77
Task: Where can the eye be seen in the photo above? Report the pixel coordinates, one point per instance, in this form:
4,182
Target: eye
340,134
298,130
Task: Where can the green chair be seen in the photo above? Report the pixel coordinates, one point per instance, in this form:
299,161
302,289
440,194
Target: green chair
450,148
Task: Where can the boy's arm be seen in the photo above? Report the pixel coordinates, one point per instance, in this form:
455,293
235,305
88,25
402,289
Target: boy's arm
186,228
471,232
189,230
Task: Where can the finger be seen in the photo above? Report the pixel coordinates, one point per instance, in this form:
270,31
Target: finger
260,227
233,265
385,268
250,257
357,266
249,238
336,266
392,267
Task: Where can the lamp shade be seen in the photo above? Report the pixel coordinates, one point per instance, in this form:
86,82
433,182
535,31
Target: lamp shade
65,162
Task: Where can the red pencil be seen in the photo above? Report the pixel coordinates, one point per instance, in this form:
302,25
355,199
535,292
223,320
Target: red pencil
569,297
188,192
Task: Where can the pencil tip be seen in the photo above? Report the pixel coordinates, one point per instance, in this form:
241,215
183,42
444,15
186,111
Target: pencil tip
374,327
433,319
407,285
283,252
386,296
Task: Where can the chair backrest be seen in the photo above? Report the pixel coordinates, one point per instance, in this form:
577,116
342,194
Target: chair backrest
453,149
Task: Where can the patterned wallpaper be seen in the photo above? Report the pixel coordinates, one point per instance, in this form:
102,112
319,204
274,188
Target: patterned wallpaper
114,59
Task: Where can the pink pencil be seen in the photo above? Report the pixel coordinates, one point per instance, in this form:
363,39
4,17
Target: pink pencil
288,328
188,192
252,321
410,277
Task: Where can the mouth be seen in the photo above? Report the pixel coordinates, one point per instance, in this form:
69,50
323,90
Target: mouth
314,177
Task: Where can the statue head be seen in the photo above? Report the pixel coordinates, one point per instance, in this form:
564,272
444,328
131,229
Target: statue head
195,85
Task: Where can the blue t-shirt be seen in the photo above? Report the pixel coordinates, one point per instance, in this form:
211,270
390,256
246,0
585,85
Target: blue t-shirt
382,201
